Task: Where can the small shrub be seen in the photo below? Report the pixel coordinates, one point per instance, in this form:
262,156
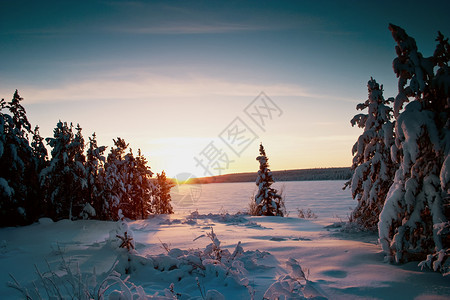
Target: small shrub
306,213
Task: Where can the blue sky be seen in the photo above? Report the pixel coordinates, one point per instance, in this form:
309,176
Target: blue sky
169,76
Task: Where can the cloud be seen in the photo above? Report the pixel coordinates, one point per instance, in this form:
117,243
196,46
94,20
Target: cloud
153,86
191,29
214,18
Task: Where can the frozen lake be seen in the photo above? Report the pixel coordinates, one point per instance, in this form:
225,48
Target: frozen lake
325,198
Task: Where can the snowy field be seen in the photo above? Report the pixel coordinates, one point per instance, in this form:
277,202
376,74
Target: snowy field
179,256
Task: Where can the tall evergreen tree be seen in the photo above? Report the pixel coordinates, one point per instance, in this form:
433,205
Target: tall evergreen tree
64,180
16,165
142,186
7,203
161,198
114,181
373,169
40,153
127,183
129,200
267,200
79,184
414,221
40,161
95,161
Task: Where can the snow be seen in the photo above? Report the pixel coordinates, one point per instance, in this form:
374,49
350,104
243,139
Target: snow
5,188
445,173
206,253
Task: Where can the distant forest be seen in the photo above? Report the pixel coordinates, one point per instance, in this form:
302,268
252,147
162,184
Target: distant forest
286,175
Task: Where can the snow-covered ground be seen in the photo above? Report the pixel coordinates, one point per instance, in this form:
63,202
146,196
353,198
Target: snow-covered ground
182,249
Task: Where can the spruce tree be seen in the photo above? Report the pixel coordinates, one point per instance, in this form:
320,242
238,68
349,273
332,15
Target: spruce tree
16,165
40,161
373,169
64,180
142,186
267,200
95,161
79,184
40,153
414,223
115,196
7,201
130,197
127,184
161,199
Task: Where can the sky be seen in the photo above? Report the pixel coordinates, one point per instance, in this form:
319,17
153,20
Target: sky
198,85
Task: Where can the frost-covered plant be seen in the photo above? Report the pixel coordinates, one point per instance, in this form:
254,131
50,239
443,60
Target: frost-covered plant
418,200
373,169
267,200
213,250
290,286
127,241
70,283
306,213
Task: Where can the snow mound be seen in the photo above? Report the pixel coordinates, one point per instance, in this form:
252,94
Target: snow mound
45,221
239,219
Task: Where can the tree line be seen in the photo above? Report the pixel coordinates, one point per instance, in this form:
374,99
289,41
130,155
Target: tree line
78,181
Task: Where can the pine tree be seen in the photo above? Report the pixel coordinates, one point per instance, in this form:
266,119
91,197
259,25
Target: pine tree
64,180
127,183
40,153
142,186
373,169
40,161
95,161
79,184
16,165
114,181
267,201
161,199
129,200
414,221
7,204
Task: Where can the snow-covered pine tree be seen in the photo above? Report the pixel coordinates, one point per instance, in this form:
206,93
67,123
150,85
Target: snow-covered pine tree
114,181
414,221
127,183
40,153
16,165
373,169
64,180
267,200
129,202
161,196
54,178
5,190
142,186
79,184
95,161
40,161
